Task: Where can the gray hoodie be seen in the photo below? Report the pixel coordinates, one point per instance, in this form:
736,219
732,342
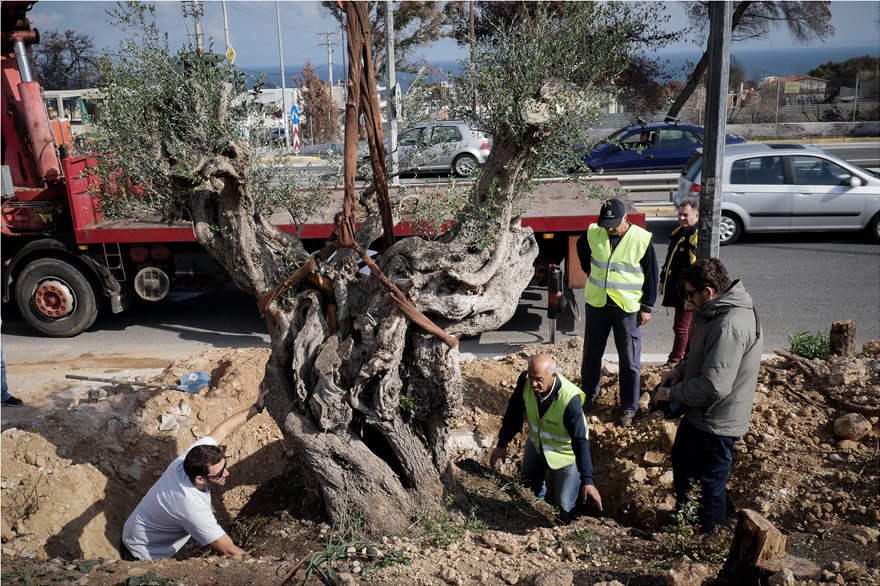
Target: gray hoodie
721,371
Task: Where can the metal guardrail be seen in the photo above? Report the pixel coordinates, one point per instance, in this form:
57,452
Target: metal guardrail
643,182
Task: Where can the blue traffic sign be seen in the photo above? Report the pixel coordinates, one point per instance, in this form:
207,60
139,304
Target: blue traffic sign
294,114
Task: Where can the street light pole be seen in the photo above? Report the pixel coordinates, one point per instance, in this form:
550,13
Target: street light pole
283,87
392,91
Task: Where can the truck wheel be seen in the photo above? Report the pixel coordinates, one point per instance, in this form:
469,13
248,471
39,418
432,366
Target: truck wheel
731,228
464,165
55,298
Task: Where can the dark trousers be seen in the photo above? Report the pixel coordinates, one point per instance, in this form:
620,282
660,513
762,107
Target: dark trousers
126,555
681,329
601,321
699,456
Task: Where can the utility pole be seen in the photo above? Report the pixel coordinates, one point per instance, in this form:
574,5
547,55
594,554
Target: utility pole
284,109
329,45
716,128
393,105
194,8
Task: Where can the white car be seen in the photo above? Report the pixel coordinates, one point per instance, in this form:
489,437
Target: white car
780,187
449,145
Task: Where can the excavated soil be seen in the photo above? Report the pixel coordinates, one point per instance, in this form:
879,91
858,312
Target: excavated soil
72,474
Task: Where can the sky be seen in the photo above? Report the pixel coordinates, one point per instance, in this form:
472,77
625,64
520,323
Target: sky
253,29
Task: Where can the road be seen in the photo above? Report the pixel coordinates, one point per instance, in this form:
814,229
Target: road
799,282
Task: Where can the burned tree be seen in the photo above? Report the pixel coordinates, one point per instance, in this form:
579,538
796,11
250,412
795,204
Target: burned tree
363,373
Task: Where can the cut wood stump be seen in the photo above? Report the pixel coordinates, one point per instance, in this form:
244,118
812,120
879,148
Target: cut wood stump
843,338
758,551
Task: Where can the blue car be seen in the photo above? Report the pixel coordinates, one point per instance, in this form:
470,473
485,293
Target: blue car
649,146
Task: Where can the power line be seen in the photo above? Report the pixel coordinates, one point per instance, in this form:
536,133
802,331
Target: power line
254,10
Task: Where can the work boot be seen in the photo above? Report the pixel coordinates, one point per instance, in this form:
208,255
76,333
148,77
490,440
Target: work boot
626,418
13,402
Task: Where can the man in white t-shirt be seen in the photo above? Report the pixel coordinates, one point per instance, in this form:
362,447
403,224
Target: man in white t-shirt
179,504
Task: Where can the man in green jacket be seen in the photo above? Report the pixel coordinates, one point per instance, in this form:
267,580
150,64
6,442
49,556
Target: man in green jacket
715,386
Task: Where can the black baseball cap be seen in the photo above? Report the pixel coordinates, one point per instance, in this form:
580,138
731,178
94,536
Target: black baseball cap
611,213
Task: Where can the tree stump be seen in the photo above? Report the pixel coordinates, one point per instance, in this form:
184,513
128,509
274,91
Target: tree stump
843,338
758,551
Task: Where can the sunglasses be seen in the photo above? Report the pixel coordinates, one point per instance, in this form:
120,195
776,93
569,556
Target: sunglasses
691,292
219,475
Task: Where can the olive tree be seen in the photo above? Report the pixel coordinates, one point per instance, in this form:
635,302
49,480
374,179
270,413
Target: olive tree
363,381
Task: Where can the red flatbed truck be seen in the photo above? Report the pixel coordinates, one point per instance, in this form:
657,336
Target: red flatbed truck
62,261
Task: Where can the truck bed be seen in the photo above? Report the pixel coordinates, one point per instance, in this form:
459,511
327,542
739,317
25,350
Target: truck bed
556,206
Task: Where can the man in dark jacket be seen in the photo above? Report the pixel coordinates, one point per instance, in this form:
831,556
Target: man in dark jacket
618,258
681,254
715,386
557,442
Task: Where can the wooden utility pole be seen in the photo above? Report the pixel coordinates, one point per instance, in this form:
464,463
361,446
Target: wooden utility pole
716,128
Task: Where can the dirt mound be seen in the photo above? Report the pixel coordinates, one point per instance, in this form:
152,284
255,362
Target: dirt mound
809,463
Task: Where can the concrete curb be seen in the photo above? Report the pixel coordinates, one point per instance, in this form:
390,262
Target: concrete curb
292,160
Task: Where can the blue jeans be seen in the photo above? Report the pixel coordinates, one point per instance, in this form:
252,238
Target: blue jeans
5,387
566,481
699,456
601,321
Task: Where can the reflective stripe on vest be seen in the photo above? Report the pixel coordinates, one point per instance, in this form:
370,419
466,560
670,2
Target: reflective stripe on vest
692,242
548,434
616,274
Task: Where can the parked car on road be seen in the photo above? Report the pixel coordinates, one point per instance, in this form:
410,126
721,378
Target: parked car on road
779,187
650,146
450,146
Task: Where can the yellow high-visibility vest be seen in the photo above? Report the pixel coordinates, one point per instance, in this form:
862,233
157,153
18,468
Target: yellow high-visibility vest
616,274
548,434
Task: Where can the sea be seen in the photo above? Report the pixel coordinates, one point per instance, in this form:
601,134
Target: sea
758,63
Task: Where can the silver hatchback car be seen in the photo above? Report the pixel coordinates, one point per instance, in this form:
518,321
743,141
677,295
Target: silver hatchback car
780,187
449,145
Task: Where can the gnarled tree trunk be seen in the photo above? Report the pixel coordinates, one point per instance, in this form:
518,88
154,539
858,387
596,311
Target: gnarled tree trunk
363,394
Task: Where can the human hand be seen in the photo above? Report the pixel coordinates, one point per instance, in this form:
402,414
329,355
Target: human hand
662,394
669,377
497,454
261,397
588,492
644,317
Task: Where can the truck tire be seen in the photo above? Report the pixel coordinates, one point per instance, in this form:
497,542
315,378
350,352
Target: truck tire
55,298
731,228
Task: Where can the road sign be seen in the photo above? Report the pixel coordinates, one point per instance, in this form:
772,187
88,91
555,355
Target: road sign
230,55
296,138
294,115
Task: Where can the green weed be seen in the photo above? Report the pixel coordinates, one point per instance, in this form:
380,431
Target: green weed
809,345
682,537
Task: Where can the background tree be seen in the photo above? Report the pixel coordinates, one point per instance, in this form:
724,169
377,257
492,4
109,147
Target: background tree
65,61
363,394
320,112
806,20
845,73
639,82
417,23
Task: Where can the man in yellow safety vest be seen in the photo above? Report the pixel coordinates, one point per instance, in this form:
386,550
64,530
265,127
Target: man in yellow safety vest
558,436
621,289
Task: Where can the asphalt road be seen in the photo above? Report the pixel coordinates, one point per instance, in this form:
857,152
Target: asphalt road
799,282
